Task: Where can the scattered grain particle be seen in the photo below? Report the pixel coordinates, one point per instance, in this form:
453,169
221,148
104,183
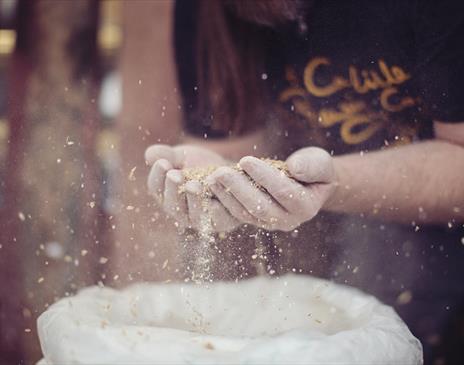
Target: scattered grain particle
67,258
131,176
84,252
103,260
165,263
133,312
404,298
69,142
209,346
40,280
433,339
115,277
356,269
27,330
54,250
130,207
21,216
92,204
27,313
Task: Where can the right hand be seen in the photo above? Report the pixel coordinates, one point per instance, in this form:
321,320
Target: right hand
166,177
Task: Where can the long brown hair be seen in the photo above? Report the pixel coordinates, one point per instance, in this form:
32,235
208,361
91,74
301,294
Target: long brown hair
230,52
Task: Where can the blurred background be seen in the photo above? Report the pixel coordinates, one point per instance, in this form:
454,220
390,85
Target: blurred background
85,87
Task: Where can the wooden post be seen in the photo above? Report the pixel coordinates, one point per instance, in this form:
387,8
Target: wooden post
50,218
145,246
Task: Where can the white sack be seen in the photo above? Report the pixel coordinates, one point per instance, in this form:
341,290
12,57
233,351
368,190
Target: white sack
291,319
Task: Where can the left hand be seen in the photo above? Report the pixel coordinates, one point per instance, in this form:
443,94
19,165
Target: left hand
166,177
286,202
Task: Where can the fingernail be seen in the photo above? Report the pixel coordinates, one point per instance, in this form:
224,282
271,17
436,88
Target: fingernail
174,176
297,165
210,181
247,162
164,164
193,187
224,178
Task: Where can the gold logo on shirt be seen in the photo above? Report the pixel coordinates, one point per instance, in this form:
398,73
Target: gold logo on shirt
357,121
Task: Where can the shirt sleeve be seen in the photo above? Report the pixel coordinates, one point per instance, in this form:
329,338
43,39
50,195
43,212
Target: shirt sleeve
438,28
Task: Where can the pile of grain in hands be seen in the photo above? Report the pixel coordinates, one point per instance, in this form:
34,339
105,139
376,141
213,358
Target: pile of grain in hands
203,250
201,173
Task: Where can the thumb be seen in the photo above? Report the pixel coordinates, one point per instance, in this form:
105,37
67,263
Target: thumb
311,165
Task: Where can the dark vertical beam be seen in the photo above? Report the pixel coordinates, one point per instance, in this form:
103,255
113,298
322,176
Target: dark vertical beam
12,324
52,186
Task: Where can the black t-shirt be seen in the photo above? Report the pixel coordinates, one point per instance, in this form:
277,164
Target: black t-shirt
365,74
358,76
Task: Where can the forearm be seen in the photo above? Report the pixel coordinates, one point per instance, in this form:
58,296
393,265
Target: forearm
423,182
233,149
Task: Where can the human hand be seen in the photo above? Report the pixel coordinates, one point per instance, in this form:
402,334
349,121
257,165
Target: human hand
185,206
286,202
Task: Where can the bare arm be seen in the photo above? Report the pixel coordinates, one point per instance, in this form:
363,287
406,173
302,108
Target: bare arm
235,148
423,182
148,77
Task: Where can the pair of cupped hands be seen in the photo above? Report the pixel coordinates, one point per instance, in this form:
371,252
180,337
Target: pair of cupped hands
282,203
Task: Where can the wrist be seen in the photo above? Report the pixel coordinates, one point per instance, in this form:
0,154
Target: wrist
333,201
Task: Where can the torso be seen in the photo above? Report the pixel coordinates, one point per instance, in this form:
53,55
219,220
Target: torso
353,83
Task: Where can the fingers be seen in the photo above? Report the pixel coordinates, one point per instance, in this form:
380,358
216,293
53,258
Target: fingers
222,220
188,209
284,190
157,152
195,203
258,203
236,209
175,203
311,165
201,208
157,178
195,156
162,151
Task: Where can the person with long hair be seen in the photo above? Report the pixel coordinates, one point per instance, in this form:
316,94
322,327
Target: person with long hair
364,102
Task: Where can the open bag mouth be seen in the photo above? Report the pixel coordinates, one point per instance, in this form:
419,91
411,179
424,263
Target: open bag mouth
291,319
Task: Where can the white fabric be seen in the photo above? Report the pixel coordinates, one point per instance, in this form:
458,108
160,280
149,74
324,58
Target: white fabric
291,319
